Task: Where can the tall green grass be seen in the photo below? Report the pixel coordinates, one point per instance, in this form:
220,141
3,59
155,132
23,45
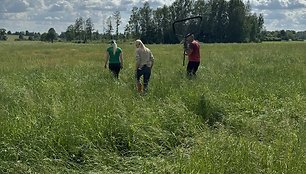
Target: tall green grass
62,112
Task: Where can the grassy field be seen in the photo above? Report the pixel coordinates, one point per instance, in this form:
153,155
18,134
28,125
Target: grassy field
62,112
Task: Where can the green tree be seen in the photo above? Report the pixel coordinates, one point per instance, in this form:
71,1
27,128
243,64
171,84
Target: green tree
260,26
127,31
51,35
2,34
79,29
21,36
110,28
181,9
70,33
252,25
147,27
283,35
291,34
158,18
300,35
202,8
44,37
96,35
253,28
37,36
31,38
133,24
163,24
89,27
218,20
117,18
62,35
236,17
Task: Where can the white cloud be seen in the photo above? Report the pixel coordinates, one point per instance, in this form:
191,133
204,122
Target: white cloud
281,14
14,6
61,6
38,15
278,4
37,4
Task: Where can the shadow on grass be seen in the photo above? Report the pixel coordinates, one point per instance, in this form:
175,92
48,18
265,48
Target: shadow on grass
211,114
118,136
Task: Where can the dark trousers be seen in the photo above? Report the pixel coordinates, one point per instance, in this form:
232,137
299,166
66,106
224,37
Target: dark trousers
192,68
115,68
146,73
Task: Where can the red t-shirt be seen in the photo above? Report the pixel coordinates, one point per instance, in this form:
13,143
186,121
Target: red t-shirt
195,54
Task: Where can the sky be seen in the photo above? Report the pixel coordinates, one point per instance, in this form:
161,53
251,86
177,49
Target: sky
41,15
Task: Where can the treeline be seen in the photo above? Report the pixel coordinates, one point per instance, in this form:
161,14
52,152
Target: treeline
51,35
278,35
223,21
283,35
83,30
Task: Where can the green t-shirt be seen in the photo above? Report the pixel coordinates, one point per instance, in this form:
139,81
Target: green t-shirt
114,58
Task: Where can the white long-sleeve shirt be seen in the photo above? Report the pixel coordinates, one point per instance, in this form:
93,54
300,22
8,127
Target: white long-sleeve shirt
144,57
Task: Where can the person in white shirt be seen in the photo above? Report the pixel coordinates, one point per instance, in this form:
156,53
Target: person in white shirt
144,64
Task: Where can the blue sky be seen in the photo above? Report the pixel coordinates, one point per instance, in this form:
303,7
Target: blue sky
40,15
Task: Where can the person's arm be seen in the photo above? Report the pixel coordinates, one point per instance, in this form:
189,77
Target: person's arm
189,49
151,59
121,59
106,59
137,59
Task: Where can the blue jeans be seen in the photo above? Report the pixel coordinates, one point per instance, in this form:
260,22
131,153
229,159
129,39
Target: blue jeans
146,73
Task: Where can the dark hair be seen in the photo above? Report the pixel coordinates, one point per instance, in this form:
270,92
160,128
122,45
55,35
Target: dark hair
189,34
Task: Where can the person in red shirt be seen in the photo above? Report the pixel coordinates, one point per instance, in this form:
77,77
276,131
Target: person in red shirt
194,57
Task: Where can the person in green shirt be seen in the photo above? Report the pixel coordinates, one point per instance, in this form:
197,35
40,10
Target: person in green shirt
114,58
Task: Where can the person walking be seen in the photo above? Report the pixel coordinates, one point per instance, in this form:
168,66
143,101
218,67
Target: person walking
194,57
144,65
114,58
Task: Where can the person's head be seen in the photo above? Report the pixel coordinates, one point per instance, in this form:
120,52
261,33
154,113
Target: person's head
113,42
114,45
139,44
189,37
